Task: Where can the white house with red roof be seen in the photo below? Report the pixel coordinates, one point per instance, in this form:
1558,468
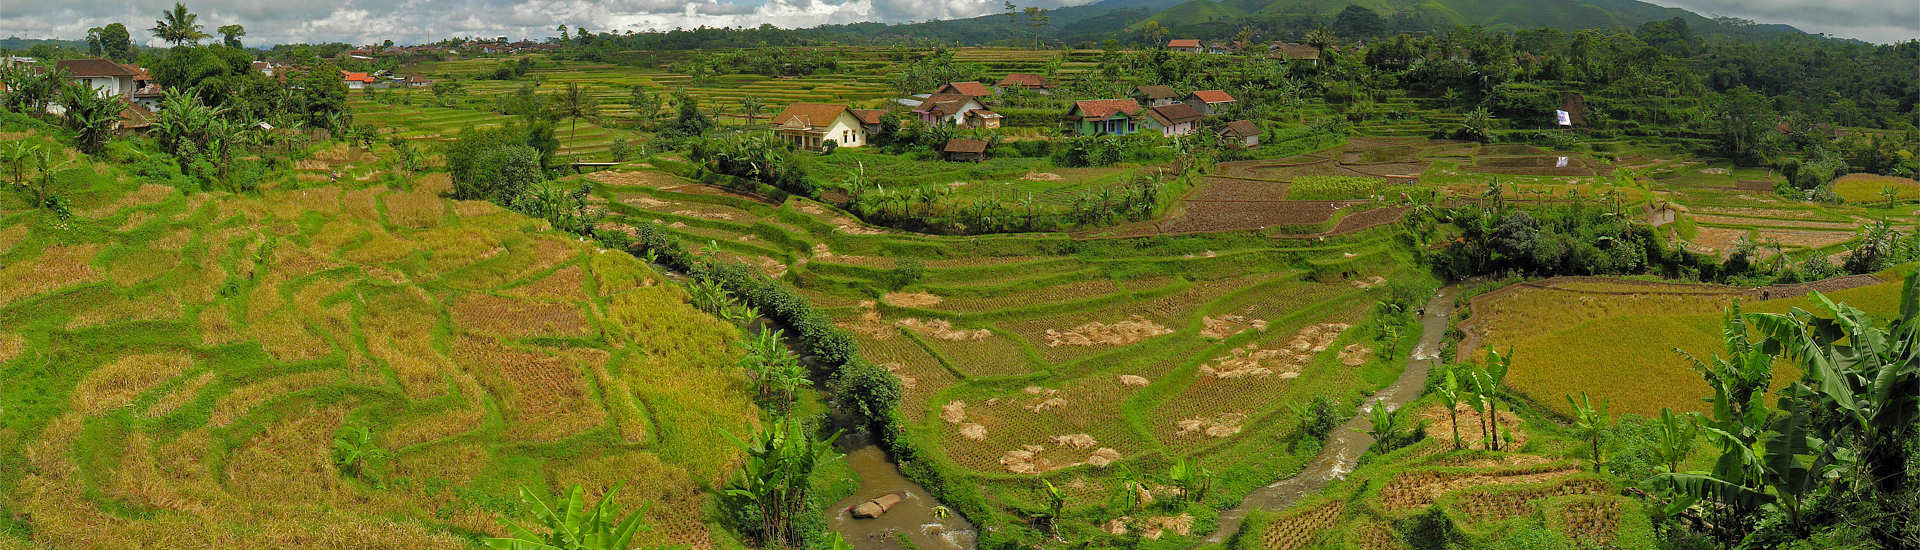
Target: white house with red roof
357,81
1186,45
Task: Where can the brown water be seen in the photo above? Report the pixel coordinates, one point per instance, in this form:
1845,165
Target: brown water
1348,441
913,517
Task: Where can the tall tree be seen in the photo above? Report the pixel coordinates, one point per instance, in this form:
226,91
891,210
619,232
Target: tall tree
94,47
1036,19
230,35
115,43
177,26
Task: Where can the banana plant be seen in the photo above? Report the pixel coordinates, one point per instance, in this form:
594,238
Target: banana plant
1056,504
1449,392
776,478
571,525
1590,422
1385,427
1193,479
1673,438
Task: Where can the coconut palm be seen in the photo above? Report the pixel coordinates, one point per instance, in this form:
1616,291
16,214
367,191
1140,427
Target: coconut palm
751,107
177,26
576,104
1320,38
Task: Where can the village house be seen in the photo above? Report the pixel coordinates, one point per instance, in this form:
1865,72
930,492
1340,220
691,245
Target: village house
1177,119
1185,45
1155,96
416,81
356,81
970,89
1289,51
1036,83
106,77
811,125
869,119
1092,117
964,150
1242,132
946,109
1209,102
982,118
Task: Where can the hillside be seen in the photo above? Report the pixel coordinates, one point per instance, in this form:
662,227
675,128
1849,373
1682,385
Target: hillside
190,370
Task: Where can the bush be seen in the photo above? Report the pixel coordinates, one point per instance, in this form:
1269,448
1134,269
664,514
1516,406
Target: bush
1319,419
868,391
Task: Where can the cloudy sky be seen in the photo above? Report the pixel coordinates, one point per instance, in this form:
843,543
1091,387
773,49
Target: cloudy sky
414,21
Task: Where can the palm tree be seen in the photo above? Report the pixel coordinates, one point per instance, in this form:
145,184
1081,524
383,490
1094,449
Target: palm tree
230,35
576,104
177,26
751,107
1320,38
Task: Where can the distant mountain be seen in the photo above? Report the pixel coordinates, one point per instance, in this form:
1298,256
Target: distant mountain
1122,19
1204,15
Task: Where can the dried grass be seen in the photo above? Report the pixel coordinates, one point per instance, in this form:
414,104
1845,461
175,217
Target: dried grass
10,346
118,383
244,399
418,210
1217,426
181,395
1228,325
55,268
1133,381
546,394
973,432
517,318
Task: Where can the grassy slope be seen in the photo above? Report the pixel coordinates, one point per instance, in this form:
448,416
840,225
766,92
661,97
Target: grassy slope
177,368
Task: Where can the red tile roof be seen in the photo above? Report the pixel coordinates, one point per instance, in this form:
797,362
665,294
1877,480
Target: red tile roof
92,67
1184,43
361,77
1027,80
809,116
869,116
1103,108
974,89
1213,96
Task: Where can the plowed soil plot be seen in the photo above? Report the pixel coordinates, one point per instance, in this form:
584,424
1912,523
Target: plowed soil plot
1214,188
1369,219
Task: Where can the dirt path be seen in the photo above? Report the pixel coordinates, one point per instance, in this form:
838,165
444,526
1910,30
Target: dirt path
1349,440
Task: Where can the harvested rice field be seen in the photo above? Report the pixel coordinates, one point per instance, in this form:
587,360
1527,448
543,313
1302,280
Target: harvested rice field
1020,363
179,367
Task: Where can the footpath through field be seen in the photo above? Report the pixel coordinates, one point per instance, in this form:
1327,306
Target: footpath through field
1345,445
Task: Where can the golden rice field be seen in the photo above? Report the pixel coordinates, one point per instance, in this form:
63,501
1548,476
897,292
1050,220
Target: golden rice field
1868,188
177,369
1617,340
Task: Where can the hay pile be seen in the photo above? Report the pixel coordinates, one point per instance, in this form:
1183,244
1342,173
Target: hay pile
1221,425
906,382
954,412
941,329
1132,381
1368,282
973,432
1075,441
1354,355
911,299
1228,325
1096,333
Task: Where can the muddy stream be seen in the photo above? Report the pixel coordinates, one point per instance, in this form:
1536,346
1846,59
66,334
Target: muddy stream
913,517
1348,441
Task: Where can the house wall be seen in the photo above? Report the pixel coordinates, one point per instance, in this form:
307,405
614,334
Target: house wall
847,131
1118,125
109,86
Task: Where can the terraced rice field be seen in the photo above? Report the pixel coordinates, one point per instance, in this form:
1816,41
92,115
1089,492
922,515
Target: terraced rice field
1021,361
1631,329
178,369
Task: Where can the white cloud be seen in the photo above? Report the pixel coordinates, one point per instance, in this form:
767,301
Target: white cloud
1883,21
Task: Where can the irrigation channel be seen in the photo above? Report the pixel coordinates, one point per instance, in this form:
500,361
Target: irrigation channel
1347,442
913,519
